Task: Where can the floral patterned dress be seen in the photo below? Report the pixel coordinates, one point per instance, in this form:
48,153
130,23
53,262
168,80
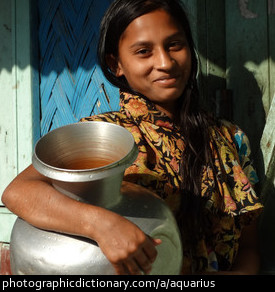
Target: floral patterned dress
231,202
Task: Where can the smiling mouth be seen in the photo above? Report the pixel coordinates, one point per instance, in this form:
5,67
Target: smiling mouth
166,81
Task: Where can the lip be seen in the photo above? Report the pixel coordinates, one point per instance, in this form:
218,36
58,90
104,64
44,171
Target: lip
166,80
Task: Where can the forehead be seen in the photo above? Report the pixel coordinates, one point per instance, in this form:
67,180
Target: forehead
151,25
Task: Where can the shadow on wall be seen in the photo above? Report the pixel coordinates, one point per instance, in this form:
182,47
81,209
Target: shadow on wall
248,89
251,46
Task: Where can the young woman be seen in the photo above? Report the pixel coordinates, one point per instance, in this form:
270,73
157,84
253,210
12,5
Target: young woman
198,165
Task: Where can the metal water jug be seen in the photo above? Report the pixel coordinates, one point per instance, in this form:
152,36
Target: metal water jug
86,161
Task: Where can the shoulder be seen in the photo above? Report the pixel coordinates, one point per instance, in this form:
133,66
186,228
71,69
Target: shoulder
109,117
118,118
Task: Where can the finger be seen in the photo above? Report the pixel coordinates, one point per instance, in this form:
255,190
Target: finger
156,241
121,269
150,250
143,262
133,267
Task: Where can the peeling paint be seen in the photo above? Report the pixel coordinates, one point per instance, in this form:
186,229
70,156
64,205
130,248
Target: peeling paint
6,134
5,259
7,27
246,13
271,6
16,85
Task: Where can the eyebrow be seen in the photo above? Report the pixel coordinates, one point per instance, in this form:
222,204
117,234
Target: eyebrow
141,44
149,43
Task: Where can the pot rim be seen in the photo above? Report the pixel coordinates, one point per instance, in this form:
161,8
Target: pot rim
82,175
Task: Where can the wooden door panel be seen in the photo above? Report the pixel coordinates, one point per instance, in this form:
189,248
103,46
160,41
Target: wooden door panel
71,82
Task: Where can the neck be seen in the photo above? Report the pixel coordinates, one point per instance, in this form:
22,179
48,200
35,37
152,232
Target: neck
169,110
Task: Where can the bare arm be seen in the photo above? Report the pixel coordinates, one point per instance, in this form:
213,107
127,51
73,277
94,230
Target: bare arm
32,197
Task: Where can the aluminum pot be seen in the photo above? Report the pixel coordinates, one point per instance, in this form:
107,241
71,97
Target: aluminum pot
86,161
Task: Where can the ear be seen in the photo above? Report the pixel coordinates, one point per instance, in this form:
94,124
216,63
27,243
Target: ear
114,65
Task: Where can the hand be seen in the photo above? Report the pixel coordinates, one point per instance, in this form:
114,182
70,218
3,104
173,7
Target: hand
129,250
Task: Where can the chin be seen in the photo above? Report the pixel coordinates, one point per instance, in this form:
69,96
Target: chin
169,97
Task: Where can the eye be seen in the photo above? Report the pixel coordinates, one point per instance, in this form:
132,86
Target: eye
143,52
176,45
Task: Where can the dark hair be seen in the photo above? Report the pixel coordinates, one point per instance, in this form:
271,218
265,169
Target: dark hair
193,122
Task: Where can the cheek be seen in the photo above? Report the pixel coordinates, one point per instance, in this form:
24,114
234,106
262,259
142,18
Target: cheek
136,73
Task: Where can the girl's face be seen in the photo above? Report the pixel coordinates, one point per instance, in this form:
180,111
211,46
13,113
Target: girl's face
155,58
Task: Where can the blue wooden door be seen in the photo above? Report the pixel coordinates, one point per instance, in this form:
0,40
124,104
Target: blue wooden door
71,82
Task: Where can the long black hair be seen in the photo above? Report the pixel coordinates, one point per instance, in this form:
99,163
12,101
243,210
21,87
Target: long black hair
193,122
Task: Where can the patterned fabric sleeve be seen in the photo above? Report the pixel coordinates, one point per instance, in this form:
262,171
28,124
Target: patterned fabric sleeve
225,229
243,146
244,151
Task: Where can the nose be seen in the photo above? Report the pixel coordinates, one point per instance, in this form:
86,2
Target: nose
163,60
